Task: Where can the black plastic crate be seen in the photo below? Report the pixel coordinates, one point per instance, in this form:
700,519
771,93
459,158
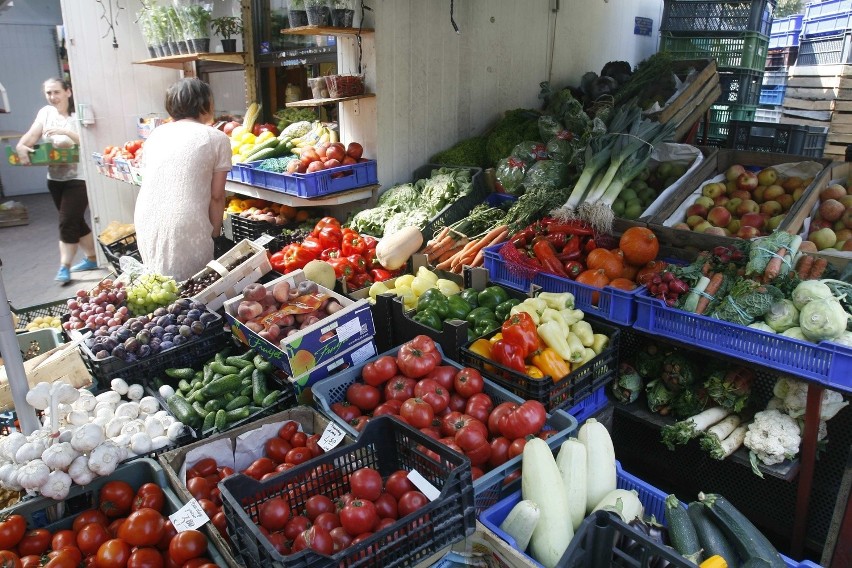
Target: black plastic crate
458,209
57,309
564,394
782,58
602,540
125,246
718,16
387,445
741,87
832,50
777,138
250,229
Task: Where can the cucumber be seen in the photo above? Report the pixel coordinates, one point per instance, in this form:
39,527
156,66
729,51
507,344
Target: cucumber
183,411
682,531
219,358
237,414
209,421
224,369
246,371
258,383
270,399
236,361
238,402
181,373
750,543
198,375
184,385
270,144
710,536
197,384
221,420
213,405
246,390
262,364
264,154
208,374
219,387
200,410
248,355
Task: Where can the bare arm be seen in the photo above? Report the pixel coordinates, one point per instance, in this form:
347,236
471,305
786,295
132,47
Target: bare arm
217,202
25,144
72,134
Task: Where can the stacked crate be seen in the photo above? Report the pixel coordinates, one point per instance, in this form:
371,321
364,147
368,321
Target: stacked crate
733,32
783,48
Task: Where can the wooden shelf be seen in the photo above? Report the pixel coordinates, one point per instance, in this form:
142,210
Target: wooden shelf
343,197
323,102
177,61
786,470
325,30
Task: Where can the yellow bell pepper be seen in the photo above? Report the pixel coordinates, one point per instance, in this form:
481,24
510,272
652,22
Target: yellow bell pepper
551,364
495,338
600,342
572,316
583,330
482,347
551,333
714,561
534,372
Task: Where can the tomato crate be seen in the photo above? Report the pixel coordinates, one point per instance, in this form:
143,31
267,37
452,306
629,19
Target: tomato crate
829,364
745,50
250,229
316,184
717,16
611,304
740,87
49,309
582,382
386,445
125,246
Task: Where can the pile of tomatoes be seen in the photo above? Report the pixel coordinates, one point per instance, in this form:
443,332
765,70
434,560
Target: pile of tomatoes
444,403
130,150
328,525
127,529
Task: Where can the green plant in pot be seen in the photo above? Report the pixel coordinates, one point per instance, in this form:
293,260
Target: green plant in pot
196,27
297,14
225,27
342,13
177,30
148,29
160,27
319,12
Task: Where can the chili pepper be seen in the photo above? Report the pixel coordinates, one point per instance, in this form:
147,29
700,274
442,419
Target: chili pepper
572,245
551,364
314,246
523,237
559,240
330,236
573,269
380,274
330,253
589,246
508,355
520,330
358,263
551,225
546,254
353,244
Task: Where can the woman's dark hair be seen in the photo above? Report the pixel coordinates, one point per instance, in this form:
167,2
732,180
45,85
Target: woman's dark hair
66,85
189,98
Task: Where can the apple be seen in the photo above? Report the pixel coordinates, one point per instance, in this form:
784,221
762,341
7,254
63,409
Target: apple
758,192
846,200
747,206
831,209
755,220
798,192
229,127
774,222
747,181
847,219
786,201
705,201
740,194
833,191
773,192
702,227
682,227
696,209
315,166
713,190
355,150
823,239
747,232
838,226
767,176
721,200
719,231
817,224
843,234
719,216
733,172
792,183
734,226
263,127
807,246
733,203
693,220
847,245
770,208
730,187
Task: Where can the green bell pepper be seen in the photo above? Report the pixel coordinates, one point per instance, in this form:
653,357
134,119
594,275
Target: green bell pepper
471,334
433,299
477,314
485,326
492,297
503,308
469,295
458,308
429,318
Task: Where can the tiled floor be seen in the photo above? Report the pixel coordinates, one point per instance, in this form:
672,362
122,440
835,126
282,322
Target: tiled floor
30,257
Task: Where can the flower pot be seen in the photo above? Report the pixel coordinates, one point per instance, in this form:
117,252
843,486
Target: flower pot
298,18
229,45
342,18
318,15
173,48
200,45
152,51
161,50
183,48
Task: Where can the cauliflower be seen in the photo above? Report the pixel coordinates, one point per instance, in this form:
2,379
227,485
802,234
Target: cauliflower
773,437
794,393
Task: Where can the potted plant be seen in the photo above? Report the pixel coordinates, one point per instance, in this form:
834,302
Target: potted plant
160,27
225,27
148,32
196,27
319,12
297,14
342,13
177,30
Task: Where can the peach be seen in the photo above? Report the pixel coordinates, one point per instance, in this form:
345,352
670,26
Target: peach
719,216
747,206
831,209
281,290
254,292
770,208
833,191
733,172
248,310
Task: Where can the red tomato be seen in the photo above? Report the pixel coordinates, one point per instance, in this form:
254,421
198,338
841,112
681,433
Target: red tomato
433,393
274,514
220,522
145,558
114,526
411,501
358,517
9,559
313,445
499,451
474,443
187,545
346,411
457,403
116,498
365,397
384,523
454,421
431,432
360,423
91,537
143,528
468,382
209,507
516,448
476,473
379,371
444,376
415,358
315,538
203,467
298,456
317,504
389,409
199,562
151,496
299,440
328,520
63,538
279,542
199,487
31,561
400,388
36,541
296,526
277,448
547,434
499,411
342,501
417,412
114,553
366,483
66,558
398,484
224,472
386,506
258,468
450,442
479,406
340,538
525,420
287,430
169,533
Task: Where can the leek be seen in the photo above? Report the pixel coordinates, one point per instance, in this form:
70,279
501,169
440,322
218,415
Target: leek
641,134
597,156
600,213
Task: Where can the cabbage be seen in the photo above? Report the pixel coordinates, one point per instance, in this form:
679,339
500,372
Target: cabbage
823,319
844,338
761,326
782,316
810,290
795,333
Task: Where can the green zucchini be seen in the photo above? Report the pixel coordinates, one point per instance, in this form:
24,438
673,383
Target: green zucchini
682,531
224,369
209,421
710,536
262,364
259,151
221,420
749,542
258,383
236,361
219,387
237,414
183,411
238,402
181,373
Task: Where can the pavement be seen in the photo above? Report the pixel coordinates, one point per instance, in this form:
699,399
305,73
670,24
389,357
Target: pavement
30,257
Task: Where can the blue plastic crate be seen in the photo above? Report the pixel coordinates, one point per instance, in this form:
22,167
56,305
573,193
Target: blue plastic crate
828,25
825,50
332,180
489,488
826,8
829,364
772,94
785,39
590,405
789,24
613,305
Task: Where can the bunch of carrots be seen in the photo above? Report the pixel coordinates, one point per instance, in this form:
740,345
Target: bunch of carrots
810,268
452,251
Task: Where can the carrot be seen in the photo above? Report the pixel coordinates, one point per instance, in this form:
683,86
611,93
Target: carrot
819,267
435,240
477,249
773,267
446,255
710,290
444,244
705,270
804,266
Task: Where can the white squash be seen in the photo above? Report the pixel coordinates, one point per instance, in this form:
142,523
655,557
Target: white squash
625,503
600,461
521,522
394,250
571,462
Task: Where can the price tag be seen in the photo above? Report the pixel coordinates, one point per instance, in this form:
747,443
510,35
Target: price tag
430,491
363,353
190,516
331,437
348,329
263,239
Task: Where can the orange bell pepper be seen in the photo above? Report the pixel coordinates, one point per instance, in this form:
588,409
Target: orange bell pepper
551,364
534,372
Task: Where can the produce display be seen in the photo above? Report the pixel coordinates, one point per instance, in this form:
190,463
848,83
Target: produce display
266,211
409,287
644,189
149,292
830,227
130,150
481,310
196,284
104,305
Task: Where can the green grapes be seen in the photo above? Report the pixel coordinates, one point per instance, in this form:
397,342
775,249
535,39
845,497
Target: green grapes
149,292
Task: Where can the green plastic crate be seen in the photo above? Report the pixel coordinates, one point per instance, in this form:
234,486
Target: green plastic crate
739,51
721,115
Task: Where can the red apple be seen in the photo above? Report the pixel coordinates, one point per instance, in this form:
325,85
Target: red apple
740,194
696,209
747,206
786,201
229,127
747,181
747,232
833,191
719,216
767,176
355,150
721,200
770,208
755,220
733,172
719,231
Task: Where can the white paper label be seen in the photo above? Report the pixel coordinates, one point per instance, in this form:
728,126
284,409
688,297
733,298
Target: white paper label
190,516
263,239
348,329
363,353
430,491
331,437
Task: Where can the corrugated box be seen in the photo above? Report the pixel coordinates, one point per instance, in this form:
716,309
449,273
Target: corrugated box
62,363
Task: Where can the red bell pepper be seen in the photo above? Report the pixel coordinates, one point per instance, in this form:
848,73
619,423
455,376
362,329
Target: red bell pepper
330,236
380,274
509,355
314,246
589,246
372,259
330,253
277,260
325,222
520,330
352,244
358,281
573,268
342,268
296,257
370,242
358,262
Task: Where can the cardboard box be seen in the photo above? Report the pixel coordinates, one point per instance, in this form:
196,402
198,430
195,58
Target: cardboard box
482,548
233,281
350,358
321,342
45,154
64,363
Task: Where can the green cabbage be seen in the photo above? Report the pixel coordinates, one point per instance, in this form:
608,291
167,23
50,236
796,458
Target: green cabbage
823,319
795,333
782,315
810,290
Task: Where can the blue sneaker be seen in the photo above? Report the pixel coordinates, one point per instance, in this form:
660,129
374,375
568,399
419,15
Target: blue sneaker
64,275
84,264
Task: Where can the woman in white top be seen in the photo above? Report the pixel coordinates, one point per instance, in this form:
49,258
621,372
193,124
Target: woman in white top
57,123
182,199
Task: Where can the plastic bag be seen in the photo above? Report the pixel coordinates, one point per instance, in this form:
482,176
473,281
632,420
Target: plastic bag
529,151
551,174
560,149
510,174
548,127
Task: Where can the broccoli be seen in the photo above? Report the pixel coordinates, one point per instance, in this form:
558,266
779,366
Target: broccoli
469,152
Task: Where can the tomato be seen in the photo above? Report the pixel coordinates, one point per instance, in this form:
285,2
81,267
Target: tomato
199,562
340,538
458,403
358,517
12,530
417,412
365,397
317,504
187,545
113,553
411,501
476,473
399,388
499,451
454,421
298,456
479,406
494,418
35,541
116,498
315,538
415,358
288,429
63,538
169,533
31,561
277,448
355,150
342,501
258,468
398,484
296,526
210,508
203,467
443,375
279,542
9,559
274,514
328,520
526,419
433,393
468,382
224,472
114,526
65,559
313,445
386,506
431,432
145,558
360,423
299,440
379,371
474,443
386,408
516,448
199,487
220,522
366,483
151,496
346,411
91,537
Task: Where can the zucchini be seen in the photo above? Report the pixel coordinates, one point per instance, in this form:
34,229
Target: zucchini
600,461
237,414
521,522
224,369
181,373
750,543
183,411
209,421
710,536
270,399
221,420
238,402
623,502
262,364
236,361
258,383
222,386
259,151
681,530
571,462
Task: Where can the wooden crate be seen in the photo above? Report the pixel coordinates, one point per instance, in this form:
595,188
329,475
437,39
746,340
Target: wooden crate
233,281
699,95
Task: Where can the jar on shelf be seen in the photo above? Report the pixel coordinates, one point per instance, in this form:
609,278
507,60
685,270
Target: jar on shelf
292,93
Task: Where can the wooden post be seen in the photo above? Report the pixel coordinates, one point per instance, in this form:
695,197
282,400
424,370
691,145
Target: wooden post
806,472
249,49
